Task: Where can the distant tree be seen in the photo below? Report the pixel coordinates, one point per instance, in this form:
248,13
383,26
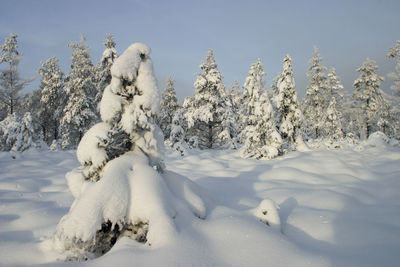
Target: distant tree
228,136
168,107
313,103
103,68
332,127
52,98
262,140
18,133
205,110
79,111
177,133
289,116
335,87
253,87
259,131
369,98
234,101
11,85
395,53
3,111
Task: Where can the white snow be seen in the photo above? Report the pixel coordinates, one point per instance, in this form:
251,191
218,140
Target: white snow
337,207
110,104
127,65
127,179
89,150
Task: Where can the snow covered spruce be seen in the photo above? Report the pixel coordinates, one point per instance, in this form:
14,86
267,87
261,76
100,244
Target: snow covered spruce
122,189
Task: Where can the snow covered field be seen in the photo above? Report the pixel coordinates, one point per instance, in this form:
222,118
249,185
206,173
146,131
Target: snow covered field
337,208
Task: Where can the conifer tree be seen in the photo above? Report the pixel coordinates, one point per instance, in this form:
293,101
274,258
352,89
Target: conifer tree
52,98
235,118
252,90
168,106
103,68
79,111
11,85
313,103
395,53
289,116
205,110
3,111
18,133
177,133
332,129
122,188
234,93
260,137
335,87
262,140
369,99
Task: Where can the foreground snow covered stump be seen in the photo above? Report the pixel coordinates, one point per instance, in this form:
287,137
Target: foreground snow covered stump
120,189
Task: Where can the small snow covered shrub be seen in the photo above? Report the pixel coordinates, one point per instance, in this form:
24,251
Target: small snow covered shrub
121,189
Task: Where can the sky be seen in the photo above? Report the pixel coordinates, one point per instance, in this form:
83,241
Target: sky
180,33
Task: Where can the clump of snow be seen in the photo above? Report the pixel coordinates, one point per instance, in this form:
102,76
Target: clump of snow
377,139
267,212
129,192
301,145
110,105
75,181
127,68
90,149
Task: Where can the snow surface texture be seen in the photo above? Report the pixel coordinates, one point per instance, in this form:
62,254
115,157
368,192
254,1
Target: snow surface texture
336,208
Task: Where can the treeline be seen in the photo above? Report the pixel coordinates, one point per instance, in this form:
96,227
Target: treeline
264,123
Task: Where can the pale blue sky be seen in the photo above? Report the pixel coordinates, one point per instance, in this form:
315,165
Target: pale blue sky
181,32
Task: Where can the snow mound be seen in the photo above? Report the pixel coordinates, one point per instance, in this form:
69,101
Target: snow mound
377,139
130,192
267,212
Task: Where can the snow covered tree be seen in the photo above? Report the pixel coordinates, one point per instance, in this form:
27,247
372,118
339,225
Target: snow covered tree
79,111
332,127
103,68
3,111
122,188
52,97
262,140
234,94
395,53
205,110
369,99
313,103
168,106
228,137
177,133
252,89
335,87
11,84
18,134
260,137
289,116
